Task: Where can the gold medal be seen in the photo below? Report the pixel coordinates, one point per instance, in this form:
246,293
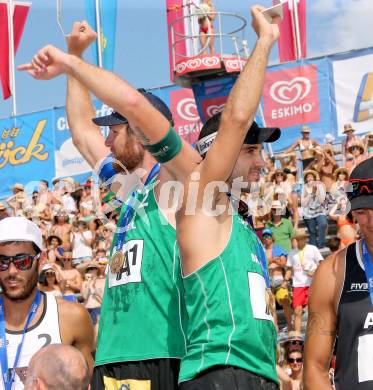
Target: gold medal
270,301
117,262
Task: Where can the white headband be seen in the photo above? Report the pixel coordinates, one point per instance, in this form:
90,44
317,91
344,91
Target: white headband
204,144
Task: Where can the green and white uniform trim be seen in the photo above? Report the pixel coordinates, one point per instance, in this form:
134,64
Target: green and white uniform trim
229,321
143,312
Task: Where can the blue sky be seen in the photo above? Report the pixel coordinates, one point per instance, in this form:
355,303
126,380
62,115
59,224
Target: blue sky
142,47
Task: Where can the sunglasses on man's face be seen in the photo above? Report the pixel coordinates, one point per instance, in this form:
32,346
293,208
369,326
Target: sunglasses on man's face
22,262
295,360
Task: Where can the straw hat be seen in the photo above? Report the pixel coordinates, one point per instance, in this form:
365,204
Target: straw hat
2,206
341,170
284,175
358,144
18,186
82,268
347,127
312,172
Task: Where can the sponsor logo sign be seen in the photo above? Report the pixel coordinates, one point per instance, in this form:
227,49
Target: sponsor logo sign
212,106
184,111
291,96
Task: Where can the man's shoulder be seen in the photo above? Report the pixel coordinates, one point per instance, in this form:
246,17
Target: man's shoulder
70,311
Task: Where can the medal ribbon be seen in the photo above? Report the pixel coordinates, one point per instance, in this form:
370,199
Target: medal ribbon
8,377
368,265
260,252
129,212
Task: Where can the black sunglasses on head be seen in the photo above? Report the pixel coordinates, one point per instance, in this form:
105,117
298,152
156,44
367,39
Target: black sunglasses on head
23,262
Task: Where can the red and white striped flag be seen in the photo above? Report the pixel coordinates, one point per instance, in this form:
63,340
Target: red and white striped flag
292,43
20,12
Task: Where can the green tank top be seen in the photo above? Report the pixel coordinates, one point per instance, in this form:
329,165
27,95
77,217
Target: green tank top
143,311
229,321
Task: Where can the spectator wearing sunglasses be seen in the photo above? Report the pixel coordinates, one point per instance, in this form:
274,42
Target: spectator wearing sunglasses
29,317
49,282
71,279
357,152
340,301
295,361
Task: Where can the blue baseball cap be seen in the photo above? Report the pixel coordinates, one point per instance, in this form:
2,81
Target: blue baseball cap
115,118
267,231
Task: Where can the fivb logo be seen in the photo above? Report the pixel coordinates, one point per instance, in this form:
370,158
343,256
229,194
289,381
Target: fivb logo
291,96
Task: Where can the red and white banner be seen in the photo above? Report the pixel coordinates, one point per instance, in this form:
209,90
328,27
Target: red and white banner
293,31
184,111
195,64
20,13
214,105
291,96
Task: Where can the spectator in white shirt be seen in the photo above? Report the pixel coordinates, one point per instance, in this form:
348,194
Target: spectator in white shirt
82,239
302,263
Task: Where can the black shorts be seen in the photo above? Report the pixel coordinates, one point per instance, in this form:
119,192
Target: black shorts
228,378
154,374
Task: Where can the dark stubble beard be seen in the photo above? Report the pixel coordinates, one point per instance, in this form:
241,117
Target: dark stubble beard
28,290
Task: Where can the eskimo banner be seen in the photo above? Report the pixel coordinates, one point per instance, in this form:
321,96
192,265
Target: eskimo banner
352,90
296,94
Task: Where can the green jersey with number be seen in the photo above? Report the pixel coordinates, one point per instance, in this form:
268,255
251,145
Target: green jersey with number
229,321
143,312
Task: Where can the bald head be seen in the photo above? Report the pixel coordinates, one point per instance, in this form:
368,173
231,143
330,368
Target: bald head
57,367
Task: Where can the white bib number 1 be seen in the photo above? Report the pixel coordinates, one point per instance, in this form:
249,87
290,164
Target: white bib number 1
130,271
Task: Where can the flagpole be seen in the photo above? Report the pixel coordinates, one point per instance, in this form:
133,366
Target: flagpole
11,57
297,32
99,32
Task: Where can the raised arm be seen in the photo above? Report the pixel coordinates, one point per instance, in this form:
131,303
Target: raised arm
86,135
144,119
242,103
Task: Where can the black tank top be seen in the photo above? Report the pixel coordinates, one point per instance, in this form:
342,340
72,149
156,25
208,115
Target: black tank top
354,358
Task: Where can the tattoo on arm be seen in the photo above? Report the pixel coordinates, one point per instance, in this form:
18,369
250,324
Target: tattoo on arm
316,325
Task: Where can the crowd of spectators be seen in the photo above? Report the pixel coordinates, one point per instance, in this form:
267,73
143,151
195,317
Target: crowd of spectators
298,203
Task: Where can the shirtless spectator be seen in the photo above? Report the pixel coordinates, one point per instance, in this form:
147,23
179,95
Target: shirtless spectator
93,290
348,130
62,229
276,258
71,279
325,165
17,202
53,244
